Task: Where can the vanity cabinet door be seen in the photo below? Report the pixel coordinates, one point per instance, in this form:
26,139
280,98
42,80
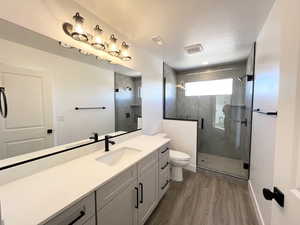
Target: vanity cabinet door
122,210
148,185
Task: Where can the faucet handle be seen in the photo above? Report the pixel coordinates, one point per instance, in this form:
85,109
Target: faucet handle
95,136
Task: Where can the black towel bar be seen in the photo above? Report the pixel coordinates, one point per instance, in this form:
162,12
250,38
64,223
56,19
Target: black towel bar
81,108
266,113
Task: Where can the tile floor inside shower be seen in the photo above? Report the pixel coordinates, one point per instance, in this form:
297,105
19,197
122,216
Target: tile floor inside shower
232,167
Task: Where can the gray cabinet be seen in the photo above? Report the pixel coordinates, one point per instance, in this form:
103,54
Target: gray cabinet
164,171
122,210
127,199
81,213
131,197
148,186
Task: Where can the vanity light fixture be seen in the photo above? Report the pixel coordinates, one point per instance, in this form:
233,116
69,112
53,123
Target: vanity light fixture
64,45
78,32
83,52
124,55
96,39
112,46
103,59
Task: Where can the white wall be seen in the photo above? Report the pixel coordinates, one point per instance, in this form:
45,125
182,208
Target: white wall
287,151
73,84
183,135
265,98
46,17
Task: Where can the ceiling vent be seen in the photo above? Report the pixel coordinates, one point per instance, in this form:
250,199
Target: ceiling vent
193,49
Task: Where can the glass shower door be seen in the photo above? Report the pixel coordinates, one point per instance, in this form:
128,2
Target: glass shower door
220,145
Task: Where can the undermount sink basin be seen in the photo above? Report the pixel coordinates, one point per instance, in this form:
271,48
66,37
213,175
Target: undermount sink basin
118,156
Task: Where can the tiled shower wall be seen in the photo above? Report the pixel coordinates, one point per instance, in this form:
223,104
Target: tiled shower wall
170,91
127,102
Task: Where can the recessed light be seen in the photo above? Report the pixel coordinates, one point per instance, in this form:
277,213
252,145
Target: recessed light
158,40
205,63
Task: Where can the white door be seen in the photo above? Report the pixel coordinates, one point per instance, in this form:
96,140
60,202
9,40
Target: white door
29,112
287,149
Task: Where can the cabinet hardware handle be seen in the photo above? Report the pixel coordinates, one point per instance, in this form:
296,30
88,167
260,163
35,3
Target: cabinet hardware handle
164,150
163,167
3,111
142,193
82,214
166,184
137,197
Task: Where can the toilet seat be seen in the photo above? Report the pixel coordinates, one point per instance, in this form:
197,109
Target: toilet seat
179,156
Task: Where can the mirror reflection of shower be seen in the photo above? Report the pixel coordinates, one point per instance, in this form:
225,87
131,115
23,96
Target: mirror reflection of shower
128,110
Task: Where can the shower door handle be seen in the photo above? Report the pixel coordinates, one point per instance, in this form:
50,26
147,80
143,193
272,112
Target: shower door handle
202,124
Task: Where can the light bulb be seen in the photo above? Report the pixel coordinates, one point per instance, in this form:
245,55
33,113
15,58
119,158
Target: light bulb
78,32
98,41
113,49
78,28
124,55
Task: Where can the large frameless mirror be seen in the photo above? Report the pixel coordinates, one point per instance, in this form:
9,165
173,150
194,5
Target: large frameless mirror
56,95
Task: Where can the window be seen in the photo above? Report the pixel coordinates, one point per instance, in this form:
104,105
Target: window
222,111
210,87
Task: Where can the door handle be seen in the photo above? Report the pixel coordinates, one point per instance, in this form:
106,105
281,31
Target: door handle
137,197
276,194
142,193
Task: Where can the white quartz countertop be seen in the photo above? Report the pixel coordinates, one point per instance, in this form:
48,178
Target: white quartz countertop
37,198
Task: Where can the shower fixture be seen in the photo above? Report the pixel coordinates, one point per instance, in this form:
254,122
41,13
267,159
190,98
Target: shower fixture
249,78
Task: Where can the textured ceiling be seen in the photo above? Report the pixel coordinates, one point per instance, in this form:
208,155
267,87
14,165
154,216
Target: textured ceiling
225,28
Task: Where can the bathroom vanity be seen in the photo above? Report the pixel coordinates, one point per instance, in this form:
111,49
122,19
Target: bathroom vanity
119,187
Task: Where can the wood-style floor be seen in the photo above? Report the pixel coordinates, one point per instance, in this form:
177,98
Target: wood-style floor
205,198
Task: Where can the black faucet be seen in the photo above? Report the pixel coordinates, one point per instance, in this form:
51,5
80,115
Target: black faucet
107,142
95,137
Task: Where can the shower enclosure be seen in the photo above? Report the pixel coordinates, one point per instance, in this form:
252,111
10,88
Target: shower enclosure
220,99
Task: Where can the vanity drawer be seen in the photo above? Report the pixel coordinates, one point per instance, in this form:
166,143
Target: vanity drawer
164,181
78,214
164,163
111,189
147,162
164,150
91,221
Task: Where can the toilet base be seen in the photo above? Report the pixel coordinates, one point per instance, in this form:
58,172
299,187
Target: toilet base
176,174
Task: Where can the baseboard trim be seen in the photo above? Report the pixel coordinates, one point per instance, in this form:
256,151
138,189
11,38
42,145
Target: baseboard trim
255,204
191,167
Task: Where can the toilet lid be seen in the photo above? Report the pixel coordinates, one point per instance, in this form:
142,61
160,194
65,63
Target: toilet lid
179,155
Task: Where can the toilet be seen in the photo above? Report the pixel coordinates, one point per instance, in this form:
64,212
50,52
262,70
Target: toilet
178,161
